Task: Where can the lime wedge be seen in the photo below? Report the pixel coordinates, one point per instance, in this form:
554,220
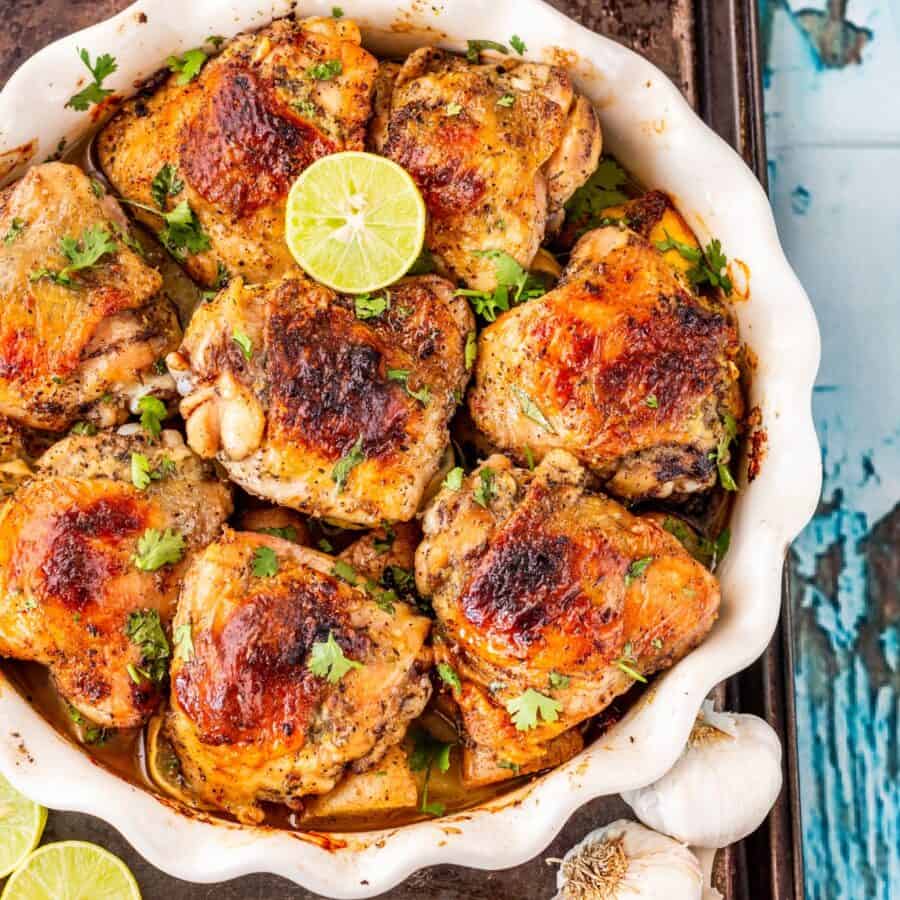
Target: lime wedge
355,221
72,870
21,826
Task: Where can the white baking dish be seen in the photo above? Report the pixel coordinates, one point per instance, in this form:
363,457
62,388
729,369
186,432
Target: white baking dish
653,131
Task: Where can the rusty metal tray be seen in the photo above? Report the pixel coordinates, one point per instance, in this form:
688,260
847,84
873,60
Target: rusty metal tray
710,50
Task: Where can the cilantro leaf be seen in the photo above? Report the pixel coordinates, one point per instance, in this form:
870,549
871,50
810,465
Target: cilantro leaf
452,109
264,563
165,184
474,48
140,471
286,533
100,69
514,285
518,44
712,269
336,12
454,479
368,307
187,66
144,628
558,682
82,253
449,676
153,411
244,342
89,732
599,192
722,454
384,597
325,545
156,549
343,570
636,569
327,660
382,545
506,101
686,251
85,428
16,227
626,663
423,395
651,401
471,350
527,708
402,578
345,465
532,411
183,234
484,492
426,752
326,70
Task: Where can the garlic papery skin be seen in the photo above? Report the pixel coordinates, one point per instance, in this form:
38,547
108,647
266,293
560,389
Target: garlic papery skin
723,785
625,861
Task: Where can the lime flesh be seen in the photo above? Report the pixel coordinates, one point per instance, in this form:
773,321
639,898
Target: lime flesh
21,826
72,870
355,221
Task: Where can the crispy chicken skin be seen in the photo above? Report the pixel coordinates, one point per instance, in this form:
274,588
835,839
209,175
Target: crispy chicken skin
241,132
68,581
249,719
547,578
630,371
496,149
322,385
64,347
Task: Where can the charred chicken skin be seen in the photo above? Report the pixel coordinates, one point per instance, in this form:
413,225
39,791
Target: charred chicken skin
290,677
496,150
623,365
82,318
85,590
550,601
237,136
330,405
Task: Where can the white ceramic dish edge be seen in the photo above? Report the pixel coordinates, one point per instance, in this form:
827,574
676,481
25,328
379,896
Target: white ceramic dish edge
648,124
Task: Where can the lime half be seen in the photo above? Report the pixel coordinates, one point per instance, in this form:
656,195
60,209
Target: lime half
355,221
21,826
72,870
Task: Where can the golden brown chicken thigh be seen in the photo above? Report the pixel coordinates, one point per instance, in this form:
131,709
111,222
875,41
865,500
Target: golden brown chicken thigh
550,602
237,136
286,675
496,149
90,565
82,318
622,365
331,405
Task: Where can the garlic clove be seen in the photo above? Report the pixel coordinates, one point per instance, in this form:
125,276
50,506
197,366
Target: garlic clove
721,788
625,861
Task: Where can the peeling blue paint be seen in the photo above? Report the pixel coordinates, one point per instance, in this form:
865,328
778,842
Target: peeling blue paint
833,125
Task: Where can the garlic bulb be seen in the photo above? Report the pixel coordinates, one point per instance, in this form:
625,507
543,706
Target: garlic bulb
625,861
723,785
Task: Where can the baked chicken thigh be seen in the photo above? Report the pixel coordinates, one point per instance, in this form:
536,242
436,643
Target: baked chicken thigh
90,565
237,136
622,365
331,405
496,149
286,675
550,602
82,318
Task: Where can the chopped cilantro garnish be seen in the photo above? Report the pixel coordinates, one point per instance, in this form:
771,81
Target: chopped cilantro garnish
626,663
423,395
484,492
585,207
183,639
165,184
349,461
471,350
449,676
686,251
368,307
156,549
325,545
264,563
427,752
712,269
636,569
16,227
103,67
506,100
188,65
286,532
518,44
336,12
88,429
140,471
558,682
144,628
527,708
153,411
343,570
722,454
532,411
183,234
89,732
325,71
327,660
244,342
454,479
475,47
82,253
514,285
651,401
452,109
